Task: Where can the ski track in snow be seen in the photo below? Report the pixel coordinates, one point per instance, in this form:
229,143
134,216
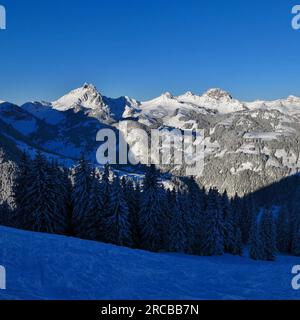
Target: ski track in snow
41,266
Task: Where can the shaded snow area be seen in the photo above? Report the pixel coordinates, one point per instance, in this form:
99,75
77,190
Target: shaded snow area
41,266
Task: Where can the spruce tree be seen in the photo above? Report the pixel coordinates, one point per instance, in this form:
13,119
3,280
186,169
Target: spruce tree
246,212
94,220
41,199
233,243
170,202
5,215
151,211
20,218
165,219
67,187
82,183
132,195
296,243
59,182
179,241
229,224
256,248
117,225
213,241
195,212
268,235
238,248
283,231
105,190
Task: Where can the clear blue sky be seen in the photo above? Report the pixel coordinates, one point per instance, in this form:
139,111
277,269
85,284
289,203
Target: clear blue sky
144,47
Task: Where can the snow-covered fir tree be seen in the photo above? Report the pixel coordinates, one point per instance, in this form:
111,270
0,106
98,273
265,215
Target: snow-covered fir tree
151,211
179,237
67,189
5,214
170,200
20,189
268,235
117,225
283,233
105,190
166,215
246,212
232,233
94,219
294,218
41,198
229,223
296,243
82,183
239,247
256,248
196,206
213,241
59,179
132,195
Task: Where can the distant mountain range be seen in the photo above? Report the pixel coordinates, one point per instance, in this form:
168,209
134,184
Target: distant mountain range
248,144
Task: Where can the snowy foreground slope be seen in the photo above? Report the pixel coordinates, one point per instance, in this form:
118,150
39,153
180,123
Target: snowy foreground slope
43,266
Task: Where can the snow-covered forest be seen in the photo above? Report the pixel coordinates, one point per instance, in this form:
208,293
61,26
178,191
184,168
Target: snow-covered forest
97,205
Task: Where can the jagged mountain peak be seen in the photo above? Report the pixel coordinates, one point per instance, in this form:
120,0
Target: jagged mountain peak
189,94
217,94
89,86
293,98
167,95
164,98
86,96
214,99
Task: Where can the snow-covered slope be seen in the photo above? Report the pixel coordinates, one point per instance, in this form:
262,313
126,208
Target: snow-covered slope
94,104
86,96
41,266
179,111
44,111
166,110
214,99
290,105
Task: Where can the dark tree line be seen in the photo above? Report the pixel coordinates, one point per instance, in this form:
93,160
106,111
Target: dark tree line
97,205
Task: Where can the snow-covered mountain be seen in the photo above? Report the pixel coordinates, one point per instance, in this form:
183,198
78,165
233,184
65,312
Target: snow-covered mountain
214,99
86,98
177,111
248,144
290,105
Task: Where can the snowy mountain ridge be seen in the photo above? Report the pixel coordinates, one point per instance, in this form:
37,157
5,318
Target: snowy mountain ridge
214,100
248,144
